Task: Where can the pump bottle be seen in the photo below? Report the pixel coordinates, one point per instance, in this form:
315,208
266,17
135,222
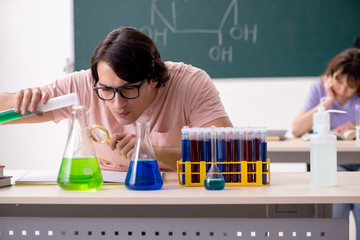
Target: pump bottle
323,159
321,117
323,154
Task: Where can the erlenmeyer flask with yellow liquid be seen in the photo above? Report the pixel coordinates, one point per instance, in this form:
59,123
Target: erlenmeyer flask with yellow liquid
79,167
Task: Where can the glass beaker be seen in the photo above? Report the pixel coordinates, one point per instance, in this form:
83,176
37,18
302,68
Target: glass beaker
143,172
79,167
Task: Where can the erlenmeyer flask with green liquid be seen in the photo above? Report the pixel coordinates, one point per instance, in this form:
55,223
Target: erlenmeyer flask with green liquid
79,167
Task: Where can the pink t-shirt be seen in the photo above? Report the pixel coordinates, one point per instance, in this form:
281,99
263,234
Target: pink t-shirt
189,98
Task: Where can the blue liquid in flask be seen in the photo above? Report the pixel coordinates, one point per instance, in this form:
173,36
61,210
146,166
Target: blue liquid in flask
214,179
146,177
214,184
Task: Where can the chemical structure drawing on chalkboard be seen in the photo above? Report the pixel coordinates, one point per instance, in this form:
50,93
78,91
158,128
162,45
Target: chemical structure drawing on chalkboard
216,53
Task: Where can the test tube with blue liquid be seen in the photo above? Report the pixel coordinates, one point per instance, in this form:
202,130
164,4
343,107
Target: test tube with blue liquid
206,147
263,154
220,147
185,149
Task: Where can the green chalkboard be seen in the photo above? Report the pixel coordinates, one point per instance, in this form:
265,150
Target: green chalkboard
228,38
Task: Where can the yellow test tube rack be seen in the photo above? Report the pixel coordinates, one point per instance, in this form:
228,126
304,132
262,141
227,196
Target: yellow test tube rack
188,177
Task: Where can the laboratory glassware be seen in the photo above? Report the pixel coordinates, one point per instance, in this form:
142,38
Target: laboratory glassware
143,172
214,179
79,167
52,104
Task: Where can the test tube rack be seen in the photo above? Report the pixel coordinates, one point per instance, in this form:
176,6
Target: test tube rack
188,177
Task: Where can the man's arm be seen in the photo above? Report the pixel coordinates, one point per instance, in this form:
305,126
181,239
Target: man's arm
22,102
6,101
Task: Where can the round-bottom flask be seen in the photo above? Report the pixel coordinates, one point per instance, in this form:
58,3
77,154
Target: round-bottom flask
214,179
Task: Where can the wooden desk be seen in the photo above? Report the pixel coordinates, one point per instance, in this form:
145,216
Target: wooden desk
290,205
298,150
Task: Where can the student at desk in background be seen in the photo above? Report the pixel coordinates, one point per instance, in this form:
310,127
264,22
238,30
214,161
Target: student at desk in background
341,85
129,82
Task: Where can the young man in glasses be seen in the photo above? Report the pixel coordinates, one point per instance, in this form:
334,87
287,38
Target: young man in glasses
129,82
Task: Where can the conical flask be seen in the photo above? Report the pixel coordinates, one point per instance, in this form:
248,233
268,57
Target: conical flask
143,172
79,167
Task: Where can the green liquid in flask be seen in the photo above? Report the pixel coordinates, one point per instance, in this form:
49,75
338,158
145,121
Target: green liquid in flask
80,174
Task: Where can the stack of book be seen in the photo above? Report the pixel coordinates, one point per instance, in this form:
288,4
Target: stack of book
5,181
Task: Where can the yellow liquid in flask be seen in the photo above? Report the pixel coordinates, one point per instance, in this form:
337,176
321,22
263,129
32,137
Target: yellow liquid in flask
80,174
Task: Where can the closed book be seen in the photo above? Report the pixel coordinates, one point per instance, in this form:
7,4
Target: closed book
2,171
5,181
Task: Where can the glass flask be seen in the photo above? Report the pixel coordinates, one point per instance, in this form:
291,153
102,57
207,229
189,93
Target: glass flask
214,179
79,167
143,172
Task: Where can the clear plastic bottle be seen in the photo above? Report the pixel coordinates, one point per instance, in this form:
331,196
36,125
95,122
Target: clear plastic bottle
143,172
323,158
323,154
79,167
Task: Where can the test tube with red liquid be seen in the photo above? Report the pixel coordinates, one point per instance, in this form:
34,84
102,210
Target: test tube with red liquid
227,150
220,148
256,149
249,154
235,155
194,155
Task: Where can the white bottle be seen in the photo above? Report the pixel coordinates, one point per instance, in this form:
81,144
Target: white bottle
323,154
323,158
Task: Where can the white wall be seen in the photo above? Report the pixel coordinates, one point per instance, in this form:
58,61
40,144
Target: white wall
271,102
36,38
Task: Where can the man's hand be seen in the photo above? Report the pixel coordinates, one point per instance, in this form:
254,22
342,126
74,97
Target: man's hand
28,99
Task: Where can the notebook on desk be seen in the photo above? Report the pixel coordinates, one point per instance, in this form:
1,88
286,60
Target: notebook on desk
35,177
276,135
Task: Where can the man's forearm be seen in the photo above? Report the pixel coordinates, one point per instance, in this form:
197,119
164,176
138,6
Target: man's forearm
168,156
6,101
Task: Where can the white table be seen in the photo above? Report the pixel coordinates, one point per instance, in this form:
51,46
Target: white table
298,150
290,205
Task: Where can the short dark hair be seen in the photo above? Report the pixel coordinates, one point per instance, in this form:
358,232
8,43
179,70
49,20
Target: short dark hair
132,55
347,63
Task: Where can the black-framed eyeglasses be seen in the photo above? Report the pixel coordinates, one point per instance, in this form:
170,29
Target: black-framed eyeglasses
128,91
